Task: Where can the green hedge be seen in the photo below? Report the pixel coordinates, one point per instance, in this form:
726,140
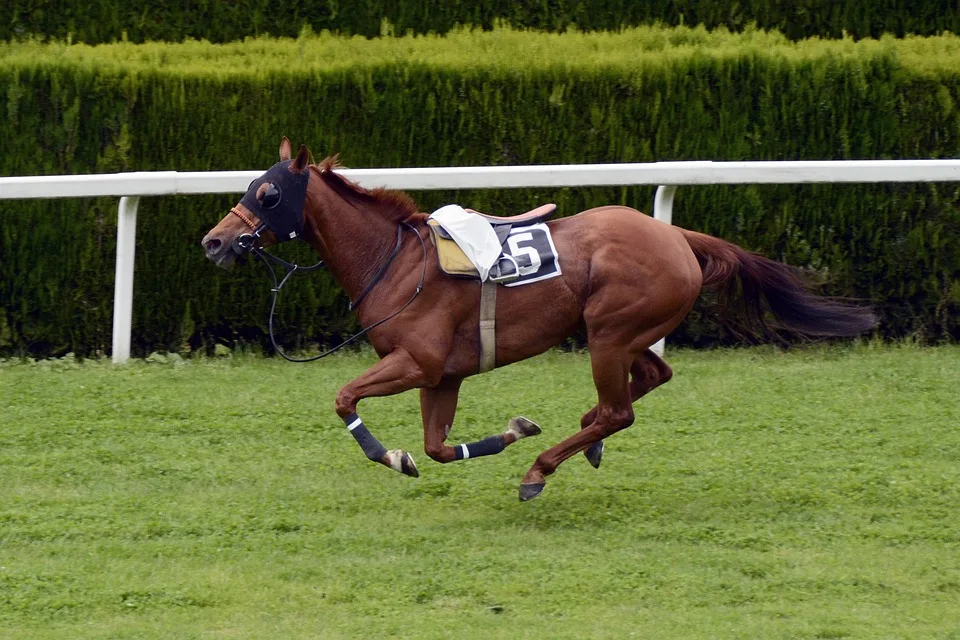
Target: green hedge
99,21
469,99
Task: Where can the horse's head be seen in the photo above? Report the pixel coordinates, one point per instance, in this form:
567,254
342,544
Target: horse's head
271,211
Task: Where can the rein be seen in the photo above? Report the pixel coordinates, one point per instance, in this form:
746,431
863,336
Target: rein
248,242
376,278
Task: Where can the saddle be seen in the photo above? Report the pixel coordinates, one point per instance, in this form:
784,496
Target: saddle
533,216
454,262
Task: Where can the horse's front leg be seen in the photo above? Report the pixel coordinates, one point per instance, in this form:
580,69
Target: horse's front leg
397,372
438,405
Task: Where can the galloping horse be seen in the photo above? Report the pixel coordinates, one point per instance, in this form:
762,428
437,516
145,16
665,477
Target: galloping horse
627,279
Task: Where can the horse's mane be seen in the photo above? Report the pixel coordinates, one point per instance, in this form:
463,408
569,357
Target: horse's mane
397,205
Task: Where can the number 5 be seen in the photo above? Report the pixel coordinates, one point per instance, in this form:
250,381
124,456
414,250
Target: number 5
516,251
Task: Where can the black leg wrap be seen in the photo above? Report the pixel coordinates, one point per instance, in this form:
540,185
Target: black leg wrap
370,445
486,447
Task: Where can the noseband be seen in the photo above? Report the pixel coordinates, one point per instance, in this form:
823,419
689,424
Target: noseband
247,221
251,242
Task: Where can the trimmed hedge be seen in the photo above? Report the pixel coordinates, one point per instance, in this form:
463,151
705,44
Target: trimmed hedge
469,99
100,21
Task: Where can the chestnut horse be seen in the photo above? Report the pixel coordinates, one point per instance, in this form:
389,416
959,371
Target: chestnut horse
627,279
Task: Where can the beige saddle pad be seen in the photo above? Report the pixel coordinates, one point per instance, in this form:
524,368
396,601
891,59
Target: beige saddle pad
453,261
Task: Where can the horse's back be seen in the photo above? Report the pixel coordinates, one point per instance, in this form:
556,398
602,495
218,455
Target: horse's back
601,223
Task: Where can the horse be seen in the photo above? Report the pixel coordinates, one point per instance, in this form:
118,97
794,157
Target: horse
627,281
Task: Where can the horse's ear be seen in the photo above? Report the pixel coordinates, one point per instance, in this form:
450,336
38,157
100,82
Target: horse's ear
285,149
303,157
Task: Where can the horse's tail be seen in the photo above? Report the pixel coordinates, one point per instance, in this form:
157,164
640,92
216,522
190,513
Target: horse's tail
759,284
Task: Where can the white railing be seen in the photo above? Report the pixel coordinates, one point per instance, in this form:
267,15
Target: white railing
131,186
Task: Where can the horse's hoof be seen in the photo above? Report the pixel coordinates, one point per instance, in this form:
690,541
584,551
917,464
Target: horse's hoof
595,454
408,467
400,460
523,427
531,491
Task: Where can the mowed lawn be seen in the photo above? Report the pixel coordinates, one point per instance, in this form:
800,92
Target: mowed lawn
812,493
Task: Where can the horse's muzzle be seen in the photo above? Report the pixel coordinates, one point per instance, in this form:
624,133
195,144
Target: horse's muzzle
219,252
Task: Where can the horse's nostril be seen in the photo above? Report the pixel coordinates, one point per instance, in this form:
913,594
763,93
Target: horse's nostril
213,245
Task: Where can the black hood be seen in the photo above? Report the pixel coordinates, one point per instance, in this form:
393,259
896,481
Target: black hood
283,216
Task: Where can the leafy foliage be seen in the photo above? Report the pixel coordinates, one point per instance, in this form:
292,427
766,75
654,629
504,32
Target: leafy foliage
111,20
471,98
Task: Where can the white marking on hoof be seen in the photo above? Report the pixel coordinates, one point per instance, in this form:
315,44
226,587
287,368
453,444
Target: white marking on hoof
400,460
395,458
523,427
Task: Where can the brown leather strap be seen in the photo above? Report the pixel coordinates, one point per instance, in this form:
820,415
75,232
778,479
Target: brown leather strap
488,325
246,220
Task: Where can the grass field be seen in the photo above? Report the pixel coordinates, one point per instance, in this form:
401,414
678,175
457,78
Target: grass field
761,494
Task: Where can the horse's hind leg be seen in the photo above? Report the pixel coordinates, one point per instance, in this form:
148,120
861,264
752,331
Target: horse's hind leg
612,359
438,405
647,372
614,411
641,287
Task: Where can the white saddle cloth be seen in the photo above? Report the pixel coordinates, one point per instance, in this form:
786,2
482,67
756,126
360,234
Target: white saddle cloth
473,234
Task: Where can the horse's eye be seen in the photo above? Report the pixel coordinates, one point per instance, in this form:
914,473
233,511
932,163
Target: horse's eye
271,197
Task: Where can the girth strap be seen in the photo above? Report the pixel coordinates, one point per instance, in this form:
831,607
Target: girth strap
488,325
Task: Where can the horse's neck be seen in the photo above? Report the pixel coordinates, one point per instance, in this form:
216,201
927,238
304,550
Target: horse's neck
353,240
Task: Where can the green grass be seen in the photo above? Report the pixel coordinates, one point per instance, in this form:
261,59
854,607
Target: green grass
464,49
761,494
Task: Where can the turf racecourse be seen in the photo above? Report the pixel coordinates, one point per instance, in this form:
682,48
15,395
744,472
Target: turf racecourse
761,494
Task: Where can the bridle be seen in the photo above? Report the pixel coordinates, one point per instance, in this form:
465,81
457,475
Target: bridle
247,221
251,242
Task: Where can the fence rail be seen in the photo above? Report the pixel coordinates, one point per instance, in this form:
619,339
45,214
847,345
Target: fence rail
669,175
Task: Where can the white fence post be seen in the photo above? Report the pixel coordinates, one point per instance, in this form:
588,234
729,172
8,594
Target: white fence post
123,284
663,211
